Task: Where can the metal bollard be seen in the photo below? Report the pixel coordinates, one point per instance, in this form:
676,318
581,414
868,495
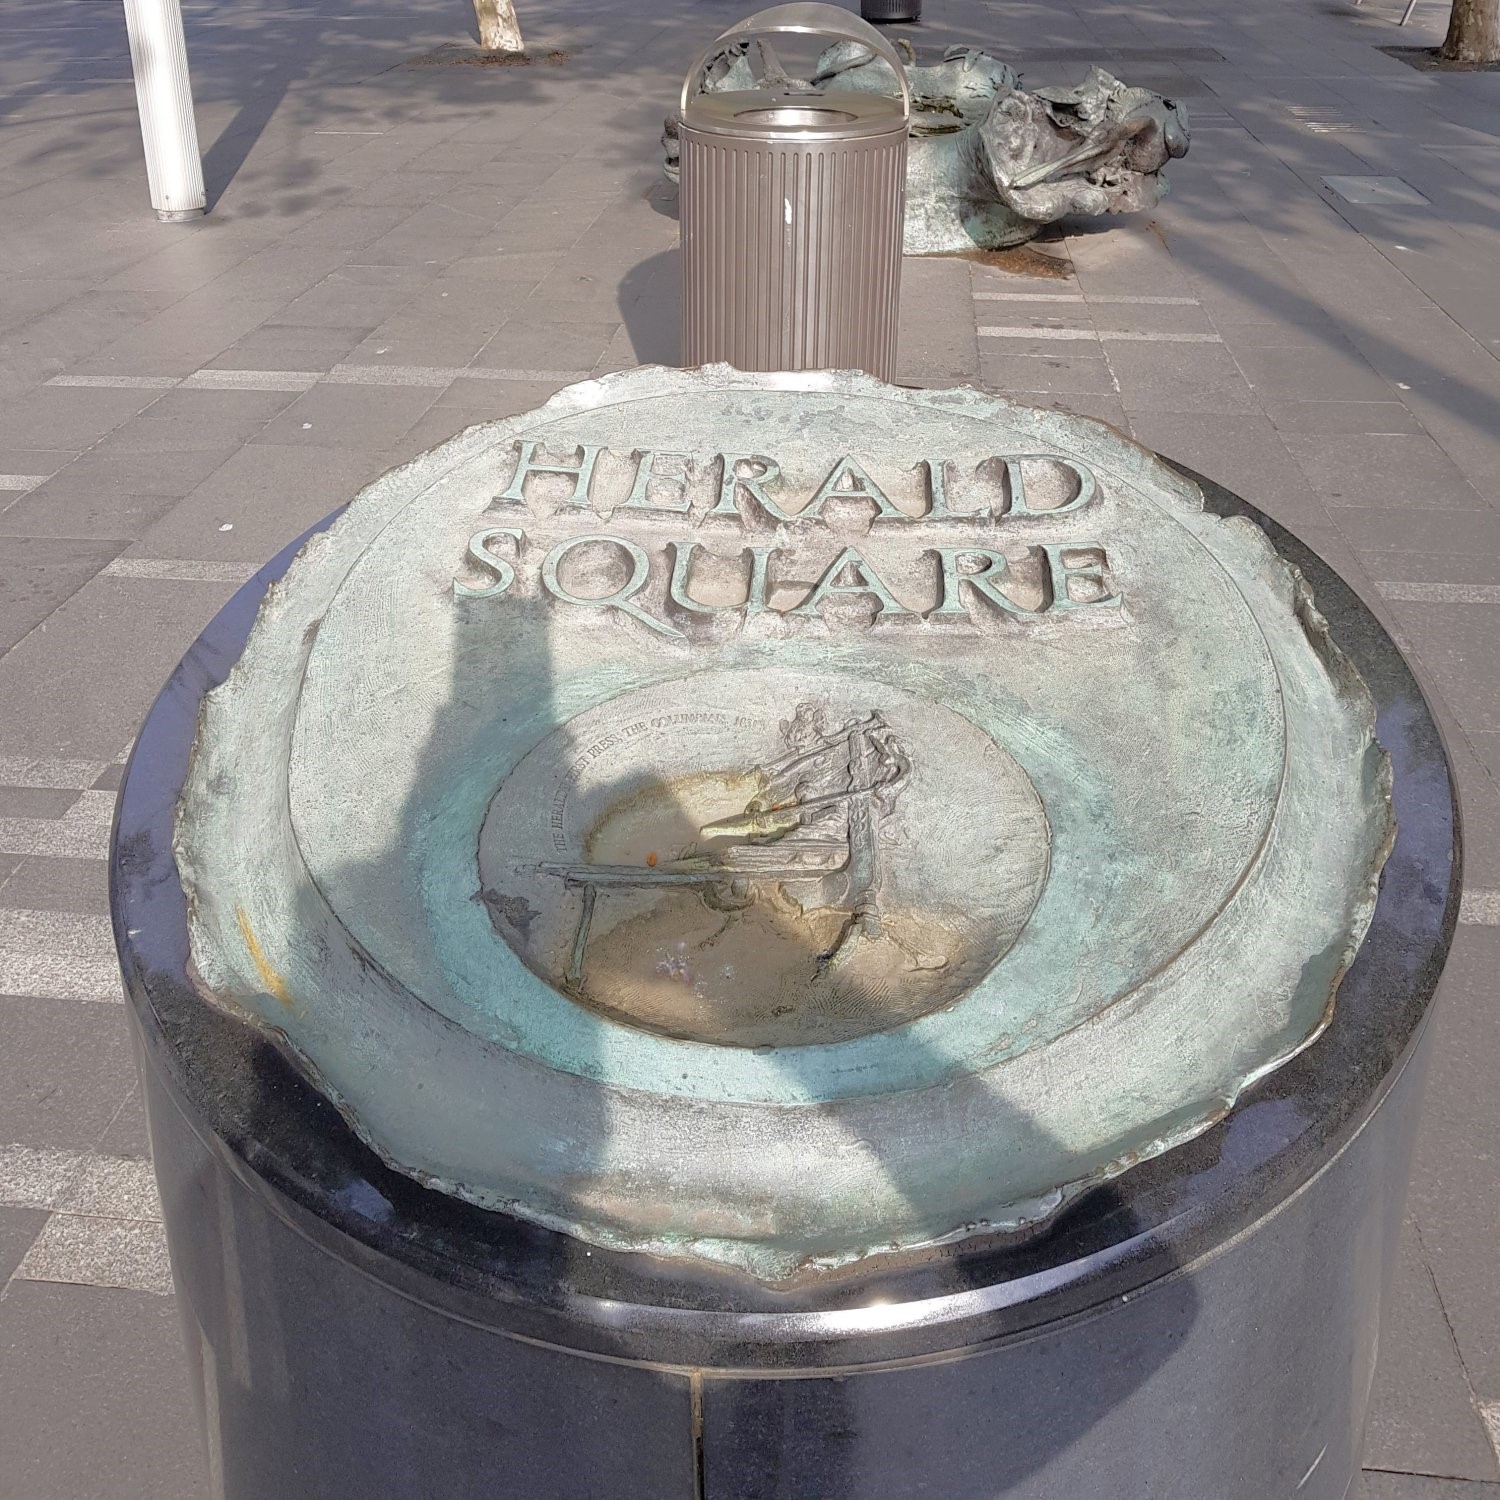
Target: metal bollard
792,212
164,96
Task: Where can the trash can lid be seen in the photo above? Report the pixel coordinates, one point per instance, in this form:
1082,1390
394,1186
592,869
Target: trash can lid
774,818
770,112
766,114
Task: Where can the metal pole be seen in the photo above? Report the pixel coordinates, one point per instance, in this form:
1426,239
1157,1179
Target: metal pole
164,95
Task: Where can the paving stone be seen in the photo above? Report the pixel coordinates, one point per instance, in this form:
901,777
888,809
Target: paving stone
1007,331
423,339
1376,1486
1456,645
183,336
1487,748
65,1070
433,237
346,416
1331,417
110,494
127,1135
198,420
497,398
34,461
18,1228
1104,408
1385,472
527,267
38,573
1451,1195
94,1397
1422,1415
1018,375
28,297
266,495
1310,331
1374,530
1479,795
277,346
66,416
1179,377
82,687
1242,452
35,801
1320,373
937,343
439,424
526,345
42,883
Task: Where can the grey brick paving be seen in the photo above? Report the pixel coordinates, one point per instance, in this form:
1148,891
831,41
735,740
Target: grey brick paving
396,252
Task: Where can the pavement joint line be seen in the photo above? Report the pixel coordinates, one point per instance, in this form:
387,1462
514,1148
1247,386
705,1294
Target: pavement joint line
1440,593
179,570
22,481
81,833
1095,334
58,955
1480,908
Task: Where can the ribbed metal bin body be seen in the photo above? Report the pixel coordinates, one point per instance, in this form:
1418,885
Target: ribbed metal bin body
792,250
891,10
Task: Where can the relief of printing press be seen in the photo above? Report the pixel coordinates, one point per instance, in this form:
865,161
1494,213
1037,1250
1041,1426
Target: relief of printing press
816,823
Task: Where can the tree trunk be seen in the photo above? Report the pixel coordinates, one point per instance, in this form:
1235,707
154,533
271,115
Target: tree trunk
499,31
1473,32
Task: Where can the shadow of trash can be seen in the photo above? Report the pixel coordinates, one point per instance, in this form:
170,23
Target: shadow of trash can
792,211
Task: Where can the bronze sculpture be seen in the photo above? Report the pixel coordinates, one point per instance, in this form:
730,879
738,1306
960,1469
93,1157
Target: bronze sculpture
990,165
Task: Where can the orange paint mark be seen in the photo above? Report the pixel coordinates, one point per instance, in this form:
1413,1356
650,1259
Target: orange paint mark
274,983
651,859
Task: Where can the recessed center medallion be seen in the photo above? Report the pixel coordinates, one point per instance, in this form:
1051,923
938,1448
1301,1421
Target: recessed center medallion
793,860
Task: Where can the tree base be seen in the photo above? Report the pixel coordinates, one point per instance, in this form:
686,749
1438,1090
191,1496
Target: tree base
1431,60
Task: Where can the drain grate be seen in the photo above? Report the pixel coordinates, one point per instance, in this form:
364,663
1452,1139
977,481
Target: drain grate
1321,119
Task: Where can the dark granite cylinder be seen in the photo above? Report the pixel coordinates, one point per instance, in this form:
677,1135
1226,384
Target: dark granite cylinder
1204,1325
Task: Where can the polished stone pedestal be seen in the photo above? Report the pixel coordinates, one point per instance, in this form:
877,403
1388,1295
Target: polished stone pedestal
1204,1325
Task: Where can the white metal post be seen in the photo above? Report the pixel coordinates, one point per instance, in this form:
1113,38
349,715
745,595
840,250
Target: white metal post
164,94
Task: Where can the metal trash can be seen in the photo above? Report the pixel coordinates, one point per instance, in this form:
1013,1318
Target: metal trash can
792,212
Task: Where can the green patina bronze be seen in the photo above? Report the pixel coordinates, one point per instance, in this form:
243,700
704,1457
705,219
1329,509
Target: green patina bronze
777,819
